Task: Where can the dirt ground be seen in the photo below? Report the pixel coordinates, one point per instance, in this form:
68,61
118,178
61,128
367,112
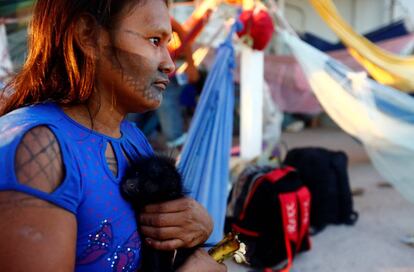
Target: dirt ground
374,243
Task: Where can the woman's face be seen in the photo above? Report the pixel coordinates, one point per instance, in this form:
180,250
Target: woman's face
133,62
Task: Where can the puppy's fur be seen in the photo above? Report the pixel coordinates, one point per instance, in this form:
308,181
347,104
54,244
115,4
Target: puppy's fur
153,180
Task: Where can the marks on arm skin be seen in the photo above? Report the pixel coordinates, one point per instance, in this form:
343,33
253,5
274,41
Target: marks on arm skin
11,200
30,233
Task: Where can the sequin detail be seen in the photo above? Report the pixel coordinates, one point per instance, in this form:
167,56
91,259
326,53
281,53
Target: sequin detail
99,244
127,257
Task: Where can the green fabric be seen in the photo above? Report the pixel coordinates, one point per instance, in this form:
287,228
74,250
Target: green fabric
16,33
10,7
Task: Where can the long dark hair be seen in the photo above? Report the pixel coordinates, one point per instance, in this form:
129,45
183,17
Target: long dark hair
56,69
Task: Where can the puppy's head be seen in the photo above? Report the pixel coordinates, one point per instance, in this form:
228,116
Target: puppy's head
152,180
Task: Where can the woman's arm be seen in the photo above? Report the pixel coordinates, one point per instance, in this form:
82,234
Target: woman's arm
192,71
182,34
36,235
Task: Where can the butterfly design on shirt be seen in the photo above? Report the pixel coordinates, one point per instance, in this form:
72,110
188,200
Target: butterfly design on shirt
127,256
123,258
99,244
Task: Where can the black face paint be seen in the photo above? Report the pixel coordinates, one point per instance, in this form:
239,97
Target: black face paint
137,71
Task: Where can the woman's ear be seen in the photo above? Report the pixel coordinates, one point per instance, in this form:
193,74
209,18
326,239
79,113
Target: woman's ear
86,35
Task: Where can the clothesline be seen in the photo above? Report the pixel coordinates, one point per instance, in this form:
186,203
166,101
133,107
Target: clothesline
16,20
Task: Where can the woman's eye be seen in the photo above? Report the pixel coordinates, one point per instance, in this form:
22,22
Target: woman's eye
155,41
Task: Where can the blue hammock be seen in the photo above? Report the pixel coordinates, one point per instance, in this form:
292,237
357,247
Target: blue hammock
204,162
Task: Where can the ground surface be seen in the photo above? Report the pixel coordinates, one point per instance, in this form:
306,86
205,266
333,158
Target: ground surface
373,244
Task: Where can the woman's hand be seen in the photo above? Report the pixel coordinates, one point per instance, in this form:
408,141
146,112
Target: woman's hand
200,261
175,224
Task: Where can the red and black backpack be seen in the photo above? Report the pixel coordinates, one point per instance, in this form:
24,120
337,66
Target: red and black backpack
271,213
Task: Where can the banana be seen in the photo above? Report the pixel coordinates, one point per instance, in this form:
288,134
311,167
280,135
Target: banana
228,247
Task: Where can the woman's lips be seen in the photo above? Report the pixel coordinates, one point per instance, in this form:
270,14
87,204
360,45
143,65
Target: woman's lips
161,84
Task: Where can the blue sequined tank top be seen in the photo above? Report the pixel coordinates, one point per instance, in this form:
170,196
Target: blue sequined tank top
107,237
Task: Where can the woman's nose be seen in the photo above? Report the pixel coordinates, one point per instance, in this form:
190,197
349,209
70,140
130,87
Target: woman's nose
167,65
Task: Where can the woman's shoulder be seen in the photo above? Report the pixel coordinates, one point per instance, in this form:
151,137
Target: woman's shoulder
44,113
19,121
38,159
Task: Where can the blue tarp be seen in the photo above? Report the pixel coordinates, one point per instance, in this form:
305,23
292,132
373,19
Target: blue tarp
205,158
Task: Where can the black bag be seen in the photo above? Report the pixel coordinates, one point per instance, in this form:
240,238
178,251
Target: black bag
271,214
324,172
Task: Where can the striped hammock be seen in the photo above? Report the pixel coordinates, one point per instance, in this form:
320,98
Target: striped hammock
385,67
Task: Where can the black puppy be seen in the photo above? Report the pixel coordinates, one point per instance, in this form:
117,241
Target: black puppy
153,180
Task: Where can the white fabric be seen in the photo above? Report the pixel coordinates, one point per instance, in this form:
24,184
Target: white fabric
356,104
272,120
6,66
